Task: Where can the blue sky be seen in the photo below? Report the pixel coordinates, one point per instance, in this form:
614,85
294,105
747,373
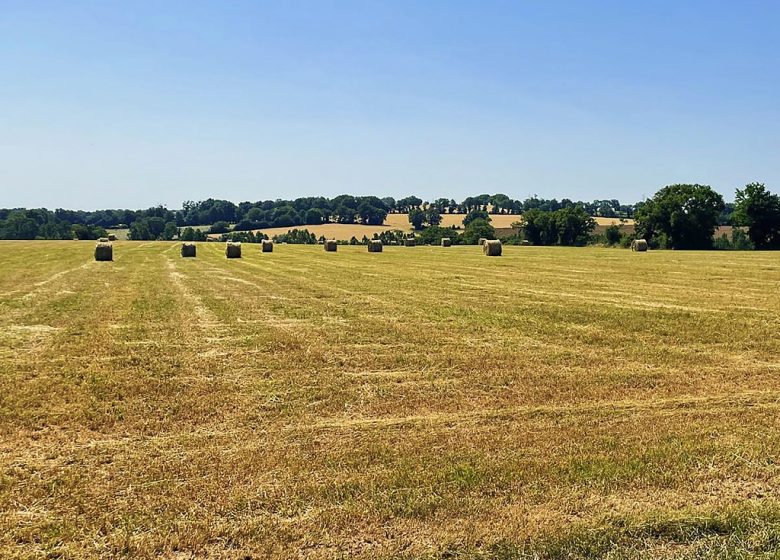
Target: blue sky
130,104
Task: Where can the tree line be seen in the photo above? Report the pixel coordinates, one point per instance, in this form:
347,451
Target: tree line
680,216
677,217
159,222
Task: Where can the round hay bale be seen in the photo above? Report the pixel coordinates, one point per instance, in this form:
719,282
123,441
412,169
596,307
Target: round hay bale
111,237
188,250
104,251
492,247
375,246
267,246
410,242
639,245
331,245
103,240
446,242
233,249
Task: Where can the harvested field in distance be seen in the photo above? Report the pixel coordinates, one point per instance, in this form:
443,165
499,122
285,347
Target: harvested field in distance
418,403
401,221
331,231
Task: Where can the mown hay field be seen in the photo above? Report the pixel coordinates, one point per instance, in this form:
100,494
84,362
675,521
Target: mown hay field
415,403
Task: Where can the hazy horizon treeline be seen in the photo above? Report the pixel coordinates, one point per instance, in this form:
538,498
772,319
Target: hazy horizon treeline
163,223
32,223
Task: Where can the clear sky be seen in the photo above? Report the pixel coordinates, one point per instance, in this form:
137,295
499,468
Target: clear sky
133,103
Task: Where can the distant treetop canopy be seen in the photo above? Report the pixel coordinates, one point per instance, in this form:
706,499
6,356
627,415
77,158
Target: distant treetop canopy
678,216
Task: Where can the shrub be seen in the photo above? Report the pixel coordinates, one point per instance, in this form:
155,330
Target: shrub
219,227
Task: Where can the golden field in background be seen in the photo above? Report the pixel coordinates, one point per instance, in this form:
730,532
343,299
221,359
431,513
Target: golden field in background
401,222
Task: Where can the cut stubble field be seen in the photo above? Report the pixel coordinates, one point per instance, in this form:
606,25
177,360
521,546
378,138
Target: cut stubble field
417,403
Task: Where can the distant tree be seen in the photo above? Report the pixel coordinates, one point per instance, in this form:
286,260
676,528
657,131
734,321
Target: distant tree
139,231
573,225
408,204
313,216
390,236
219,227
432,216
566,226
345,214
297,237
740,241
242,236
285,216
19,225
83,232
759,210
156,226
680,217
170,231
539,227
476,229
191,234
187,234
416,218
476,215
500,203
440,205
612,235
433,235
371,214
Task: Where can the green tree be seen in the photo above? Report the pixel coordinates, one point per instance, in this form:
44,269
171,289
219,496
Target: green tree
139,231
313,216
573,226
156,226
416,218
476,215
680,217
433,235
432,216
539,227
345,214
371,214
476,229
19,225
82,232
219,227
612,235
170,231
759,210
187,234
297,237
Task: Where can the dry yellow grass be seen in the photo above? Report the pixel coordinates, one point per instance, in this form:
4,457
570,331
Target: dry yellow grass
333,231
414,403
601,221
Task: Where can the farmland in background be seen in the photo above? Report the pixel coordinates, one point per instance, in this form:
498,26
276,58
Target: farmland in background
415,403
401,222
